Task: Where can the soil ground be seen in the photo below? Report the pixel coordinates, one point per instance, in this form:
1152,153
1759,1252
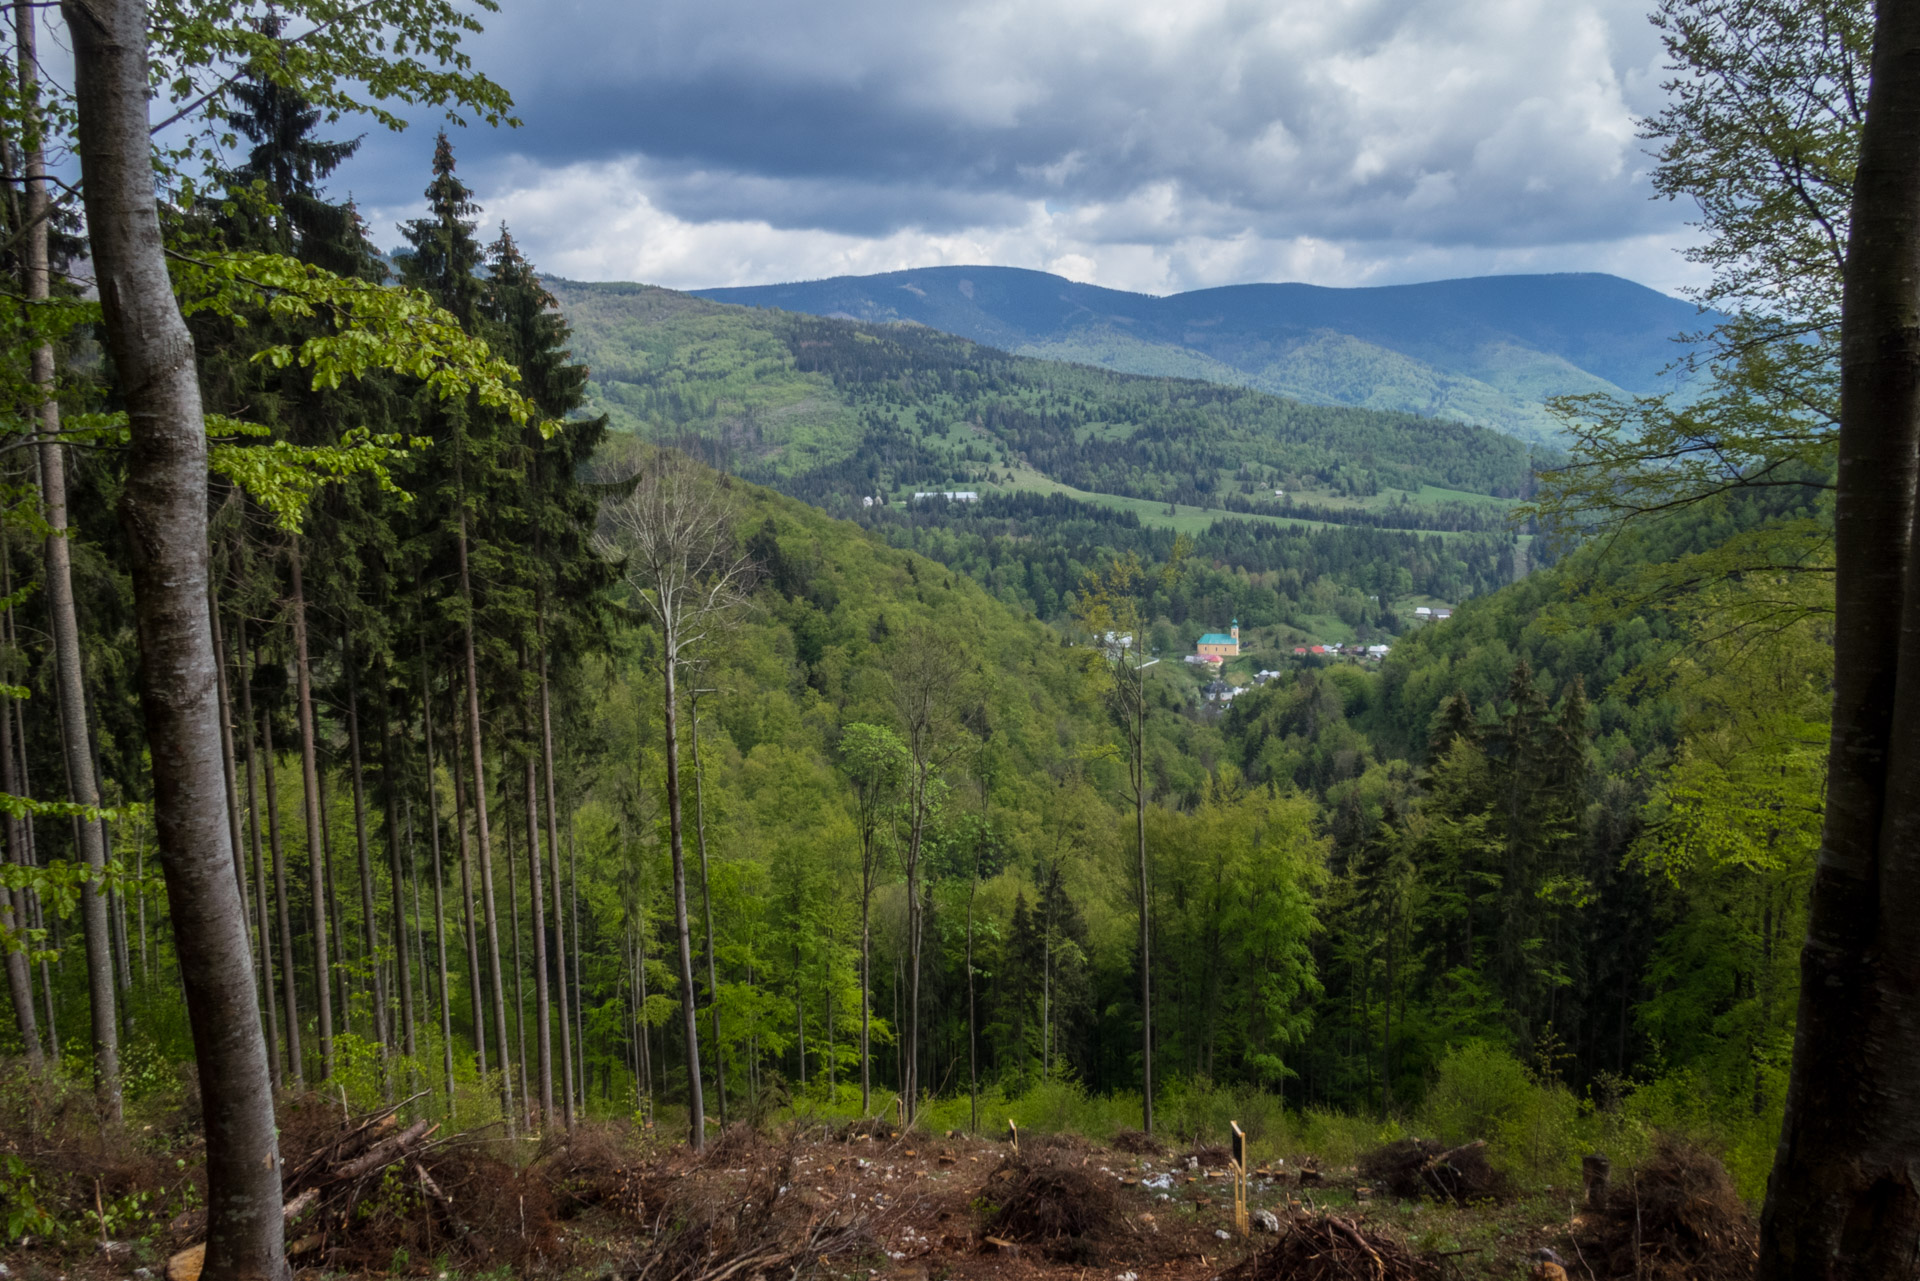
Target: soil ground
912,1208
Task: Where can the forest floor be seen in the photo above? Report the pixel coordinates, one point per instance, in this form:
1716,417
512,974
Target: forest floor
848,1203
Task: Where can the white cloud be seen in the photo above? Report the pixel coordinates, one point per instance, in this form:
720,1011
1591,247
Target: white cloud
1136,143
600,222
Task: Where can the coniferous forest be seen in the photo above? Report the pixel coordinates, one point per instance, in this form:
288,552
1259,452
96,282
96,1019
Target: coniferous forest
482,779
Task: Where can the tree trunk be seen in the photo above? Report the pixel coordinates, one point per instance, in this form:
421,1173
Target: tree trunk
483,836
910,1076
14,911
228,762
402,945
559,925
317,876
342,968
439,905
519,981
368,912
696,1103
1844,1200
163,508
467,892
973,1037
1146,944
866,999
640,1026
62,617
579,1015
39,922
289,982
537,906
706,901
263,934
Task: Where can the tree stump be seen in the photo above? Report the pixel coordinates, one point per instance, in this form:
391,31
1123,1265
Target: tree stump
1597,1172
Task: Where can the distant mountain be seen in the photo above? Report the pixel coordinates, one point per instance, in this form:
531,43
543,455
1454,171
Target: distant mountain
830,410
1488,350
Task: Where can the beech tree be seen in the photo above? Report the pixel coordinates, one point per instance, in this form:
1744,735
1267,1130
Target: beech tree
1843,1201
164,509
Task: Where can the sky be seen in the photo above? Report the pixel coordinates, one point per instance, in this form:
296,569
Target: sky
1150,145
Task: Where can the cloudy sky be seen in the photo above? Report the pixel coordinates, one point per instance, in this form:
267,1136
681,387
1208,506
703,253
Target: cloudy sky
1155,145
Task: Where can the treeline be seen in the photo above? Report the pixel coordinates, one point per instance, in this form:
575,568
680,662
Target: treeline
1035,551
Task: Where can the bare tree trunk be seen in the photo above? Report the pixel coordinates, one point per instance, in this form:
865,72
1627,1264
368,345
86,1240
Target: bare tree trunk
640,1027
467,891
402,945
369,914
579,1015
519,980
19,725
538,907
542,1004
973,1036
342,969
316,830
289,981
1843,1200
559,926
164,511
866,999
706,901
63,618
439,905
696,1103
1146,904
14,911
227,757
264,935
484,836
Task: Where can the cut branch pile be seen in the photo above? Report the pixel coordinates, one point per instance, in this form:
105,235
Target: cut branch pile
1328,1247
760,1232
1412,1169
373,1186
1678,1218
1050,1200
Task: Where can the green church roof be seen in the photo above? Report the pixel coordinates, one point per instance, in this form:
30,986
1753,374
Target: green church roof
1217,638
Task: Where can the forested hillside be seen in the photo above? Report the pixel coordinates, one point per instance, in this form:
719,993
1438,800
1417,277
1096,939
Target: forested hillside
1490,350
1317,520
455,699
833,411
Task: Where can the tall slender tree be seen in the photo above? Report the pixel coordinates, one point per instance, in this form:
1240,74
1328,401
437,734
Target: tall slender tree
69,683
672,534
164,510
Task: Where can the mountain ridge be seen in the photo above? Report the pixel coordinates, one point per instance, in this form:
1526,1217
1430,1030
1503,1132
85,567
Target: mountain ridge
1487,350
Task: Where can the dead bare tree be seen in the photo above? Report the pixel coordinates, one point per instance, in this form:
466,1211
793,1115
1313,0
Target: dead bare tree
931,677
671,533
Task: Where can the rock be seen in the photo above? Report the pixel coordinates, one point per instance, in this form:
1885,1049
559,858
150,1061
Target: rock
1193,1163
1266,1221
1223,1234
186,1265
